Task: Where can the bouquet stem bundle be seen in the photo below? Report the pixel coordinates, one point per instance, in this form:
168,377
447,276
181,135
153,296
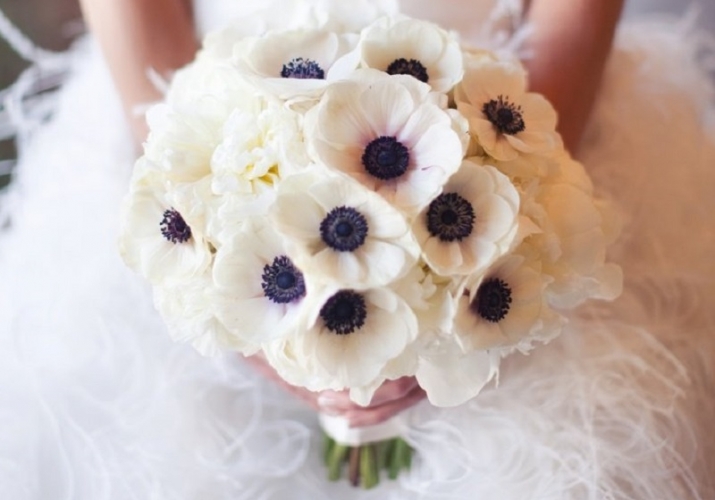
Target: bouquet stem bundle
365,462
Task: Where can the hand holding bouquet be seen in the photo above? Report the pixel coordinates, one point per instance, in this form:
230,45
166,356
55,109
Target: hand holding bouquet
363,206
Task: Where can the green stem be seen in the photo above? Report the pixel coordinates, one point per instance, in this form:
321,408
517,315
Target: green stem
335,461
382,453
394,465
328,444
369,474
406,452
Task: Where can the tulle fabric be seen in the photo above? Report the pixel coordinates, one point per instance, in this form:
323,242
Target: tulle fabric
97,403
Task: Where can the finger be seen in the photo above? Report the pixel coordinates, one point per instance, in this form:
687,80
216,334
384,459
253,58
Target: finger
392,390
373,416
340,402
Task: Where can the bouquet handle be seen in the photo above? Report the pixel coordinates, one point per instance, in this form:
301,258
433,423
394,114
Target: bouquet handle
365,450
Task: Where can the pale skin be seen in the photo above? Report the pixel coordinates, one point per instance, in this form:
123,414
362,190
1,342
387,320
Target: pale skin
570,43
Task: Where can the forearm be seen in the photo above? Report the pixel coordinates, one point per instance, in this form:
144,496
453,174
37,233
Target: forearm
138,35
568,51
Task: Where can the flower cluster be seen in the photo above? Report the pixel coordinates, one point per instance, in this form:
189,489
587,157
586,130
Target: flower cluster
361,206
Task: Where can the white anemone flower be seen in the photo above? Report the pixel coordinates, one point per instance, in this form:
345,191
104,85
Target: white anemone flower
340,232
259,291
471,224
506,308
259,147
159,240
404,46
506,119
299,63
354,338
387,133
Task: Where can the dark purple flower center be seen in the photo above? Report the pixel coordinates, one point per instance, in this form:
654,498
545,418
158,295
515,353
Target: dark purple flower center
344,312
386,158
282,282
506,116
410,67
450,217
493,300
302,69
344,229
174,228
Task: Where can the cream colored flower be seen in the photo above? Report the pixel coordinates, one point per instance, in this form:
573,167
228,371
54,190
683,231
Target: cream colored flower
430,297
576,232
188,311
262,16
387,133
340,232
505,118
471,224
187,127
159,240
349,340
506,308
259,291
404,46
260,146
451,376
299,63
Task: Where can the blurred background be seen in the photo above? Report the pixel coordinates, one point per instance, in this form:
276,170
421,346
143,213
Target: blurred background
53,24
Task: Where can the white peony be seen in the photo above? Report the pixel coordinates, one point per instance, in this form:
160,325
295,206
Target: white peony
188,310
297,64
404,46
506,308
576,232
430,297
158,238
505,118
260,145
261,16
182,144
259,291
471,224
340,232
387,133
187,127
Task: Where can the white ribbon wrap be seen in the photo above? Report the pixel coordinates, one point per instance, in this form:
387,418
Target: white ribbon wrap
339,429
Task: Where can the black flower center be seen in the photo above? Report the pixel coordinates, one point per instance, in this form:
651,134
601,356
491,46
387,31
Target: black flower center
493,300
282,282
386,158
410,67
174,228
344,312
302,69
450,217
344,229
506,116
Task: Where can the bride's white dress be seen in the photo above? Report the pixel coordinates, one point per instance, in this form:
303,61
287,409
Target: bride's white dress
97,403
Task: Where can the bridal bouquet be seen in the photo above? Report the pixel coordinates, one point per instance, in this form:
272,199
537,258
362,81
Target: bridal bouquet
360,205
